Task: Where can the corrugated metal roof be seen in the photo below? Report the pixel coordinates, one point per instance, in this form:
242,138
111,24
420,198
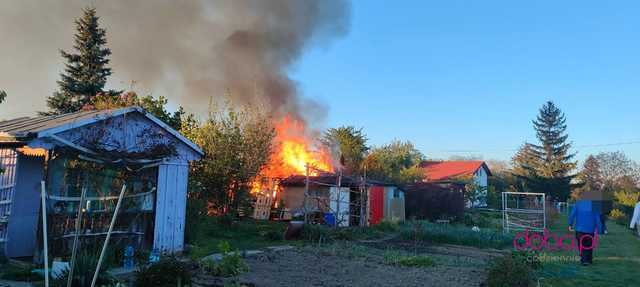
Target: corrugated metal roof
25,126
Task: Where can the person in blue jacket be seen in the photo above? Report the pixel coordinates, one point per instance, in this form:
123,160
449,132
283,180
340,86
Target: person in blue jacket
585,220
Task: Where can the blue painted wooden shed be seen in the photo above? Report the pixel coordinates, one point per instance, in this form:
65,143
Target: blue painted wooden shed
98,152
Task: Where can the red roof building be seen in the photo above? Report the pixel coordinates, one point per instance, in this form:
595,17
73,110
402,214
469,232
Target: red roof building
452,171
449,170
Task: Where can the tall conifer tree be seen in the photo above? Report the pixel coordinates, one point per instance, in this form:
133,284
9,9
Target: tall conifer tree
86,69
547,166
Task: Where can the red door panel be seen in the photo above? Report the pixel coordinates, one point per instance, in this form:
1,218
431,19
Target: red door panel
376,203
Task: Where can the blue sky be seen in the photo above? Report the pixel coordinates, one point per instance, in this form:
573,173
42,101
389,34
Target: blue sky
467,77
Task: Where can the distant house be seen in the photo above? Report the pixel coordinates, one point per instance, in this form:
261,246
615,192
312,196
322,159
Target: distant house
456,171
93,153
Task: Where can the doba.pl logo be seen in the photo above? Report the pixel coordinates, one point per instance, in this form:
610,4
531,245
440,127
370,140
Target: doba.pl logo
539,242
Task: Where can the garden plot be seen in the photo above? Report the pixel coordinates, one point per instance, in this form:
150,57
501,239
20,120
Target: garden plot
357,264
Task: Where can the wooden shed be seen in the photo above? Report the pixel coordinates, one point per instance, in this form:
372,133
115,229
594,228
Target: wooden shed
93,153
347,201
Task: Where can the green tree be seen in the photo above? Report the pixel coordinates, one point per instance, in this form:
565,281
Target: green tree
237,144
547,166
156,107
397,162
86,69
351,143
591,180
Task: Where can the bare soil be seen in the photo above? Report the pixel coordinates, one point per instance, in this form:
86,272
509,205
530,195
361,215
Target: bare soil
362,264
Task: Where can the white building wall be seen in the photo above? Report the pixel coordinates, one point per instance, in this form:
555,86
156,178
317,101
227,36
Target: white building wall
171,206
481,179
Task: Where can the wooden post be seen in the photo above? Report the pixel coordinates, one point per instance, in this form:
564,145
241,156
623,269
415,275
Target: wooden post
45,234
106,240
75,237
306,193
338,199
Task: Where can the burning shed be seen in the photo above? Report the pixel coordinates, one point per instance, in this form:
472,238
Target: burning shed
85,158
341,200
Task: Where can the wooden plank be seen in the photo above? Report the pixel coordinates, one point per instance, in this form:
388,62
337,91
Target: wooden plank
171,207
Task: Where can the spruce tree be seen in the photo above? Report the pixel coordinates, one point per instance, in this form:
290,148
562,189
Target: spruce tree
86,69
551,158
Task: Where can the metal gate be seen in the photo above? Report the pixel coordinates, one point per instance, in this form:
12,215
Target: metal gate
8,159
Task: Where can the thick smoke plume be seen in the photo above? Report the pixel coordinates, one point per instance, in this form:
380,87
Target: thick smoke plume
188,51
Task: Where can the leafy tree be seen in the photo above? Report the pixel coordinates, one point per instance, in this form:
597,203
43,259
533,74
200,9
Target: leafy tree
86,69
397,162
548,165
237,144
591,179
618,170
156,107
351,144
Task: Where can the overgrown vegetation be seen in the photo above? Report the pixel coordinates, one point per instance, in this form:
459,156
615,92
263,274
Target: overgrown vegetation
230,265
237,143
396,258
168,271
512,270
457,234
83,270
245,234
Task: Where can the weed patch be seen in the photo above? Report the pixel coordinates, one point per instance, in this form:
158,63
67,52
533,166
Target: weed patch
399,259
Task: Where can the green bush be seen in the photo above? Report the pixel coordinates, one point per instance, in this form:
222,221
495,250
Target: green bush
230,265
386,226
619,217
168,272
512,270
83,269
272,235
19,273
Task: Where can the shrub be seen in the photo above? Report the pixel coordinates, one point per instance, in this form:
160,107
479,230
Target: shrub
168,272
399,259
83,269
315,233
512,270
386,226
230,265
272,235
618,216
19,273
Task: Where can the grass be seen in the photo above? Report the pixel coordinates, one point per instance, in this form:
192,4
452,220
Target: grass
616,261
243,235
456,234
396,258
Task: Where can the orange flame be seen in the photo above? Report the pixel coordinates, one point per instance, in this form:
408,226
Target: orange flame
293,151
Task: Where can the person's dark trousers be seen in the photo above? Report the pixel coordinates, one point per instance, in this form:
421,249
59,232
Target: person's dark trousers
585,246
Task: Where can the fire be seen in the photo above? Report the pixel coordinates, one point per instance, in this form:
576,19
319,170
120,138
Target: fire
293,151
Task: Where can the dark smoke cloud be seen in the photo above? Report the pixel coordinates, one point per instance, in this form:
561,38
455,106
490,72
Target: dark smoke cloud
188,51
